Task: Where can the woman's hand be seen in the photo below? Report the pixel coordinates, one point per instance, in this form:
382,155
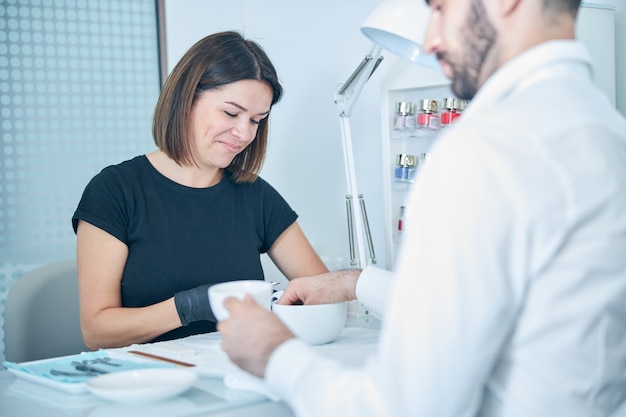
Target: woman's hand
331,287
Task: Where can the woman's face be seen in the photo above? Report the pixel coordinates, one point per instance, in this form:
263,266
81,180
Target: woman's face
224,121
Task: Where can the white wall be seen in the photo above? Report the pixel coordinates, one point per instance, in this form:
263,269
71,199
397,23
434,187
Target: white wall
316,45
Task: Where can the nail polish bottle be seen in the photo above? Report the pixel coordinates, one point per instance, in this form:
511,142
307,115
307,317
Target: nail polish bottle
452,109
400,226
405,168
404,116
428,114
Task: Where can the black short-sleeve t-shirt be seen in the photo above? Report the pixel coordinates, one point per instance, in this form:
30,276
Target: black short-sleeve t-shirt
180,237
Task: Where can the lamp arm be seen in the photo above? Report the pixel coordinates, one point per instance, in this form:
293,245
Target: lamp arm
347,94
359,69
349,91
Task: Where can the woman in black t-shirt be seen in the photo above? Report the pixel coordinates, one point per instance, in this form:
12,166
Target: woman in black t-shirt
155,231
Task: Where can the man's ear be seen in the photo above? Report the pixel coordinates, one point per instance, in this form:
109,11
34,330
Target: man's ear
506,7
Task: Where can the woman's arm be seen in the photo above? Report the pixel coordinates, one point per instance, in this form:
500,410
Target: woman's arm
104,322
294,256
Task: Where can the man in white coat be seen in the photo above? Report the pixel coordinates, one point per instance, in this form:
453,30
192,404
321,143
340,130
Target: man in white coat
509,297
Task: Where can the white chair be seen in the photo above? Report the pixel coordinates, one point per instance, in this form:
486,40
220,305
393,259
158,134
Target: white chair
41,316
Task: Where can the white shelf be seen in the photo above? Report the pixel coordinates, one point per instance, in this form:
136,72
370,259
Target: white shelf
415,142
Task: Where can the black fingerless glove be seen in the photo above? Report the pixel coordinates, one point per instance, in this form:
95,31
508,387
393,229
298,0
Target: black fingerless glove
193,305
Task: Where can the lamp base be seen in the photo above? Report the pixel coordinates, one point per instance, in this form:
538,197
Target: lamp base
360,316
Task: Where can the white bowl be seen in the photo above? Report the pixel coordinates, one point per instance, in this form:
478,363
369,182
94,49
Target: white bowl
316,324
261,291
142,385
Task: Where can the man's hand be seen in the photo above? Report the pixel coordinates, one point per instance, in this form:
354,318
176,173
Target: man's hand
331,287
251,334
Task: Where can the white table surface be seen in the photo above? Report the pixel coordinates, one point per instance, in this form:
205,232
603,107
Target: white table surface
15,404
208,397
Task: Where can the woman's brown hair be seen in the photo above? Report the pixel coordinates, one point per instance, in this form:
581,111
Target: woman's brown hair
214,61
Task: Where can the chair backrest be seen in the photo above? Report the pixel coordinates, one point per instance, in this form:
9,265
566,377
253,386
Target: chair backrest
41,316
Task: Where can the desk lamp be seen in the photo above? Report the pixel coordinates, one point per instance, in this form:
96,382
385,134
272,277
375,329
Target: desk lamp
397,26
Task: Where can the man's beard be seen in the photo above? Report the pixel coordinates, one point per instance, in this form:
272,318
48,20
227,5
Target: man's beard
481,36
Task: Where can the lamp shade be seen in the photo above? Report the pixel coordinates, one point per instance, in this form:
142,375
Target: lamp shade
398,26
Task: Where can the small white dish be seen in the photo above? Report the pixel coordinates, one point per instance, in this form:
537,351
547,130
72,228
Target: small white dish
316,324
142,385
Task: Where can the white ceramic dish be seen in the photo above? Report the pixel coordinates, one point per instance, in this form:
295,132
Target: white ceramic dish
261,291
142,385
316,324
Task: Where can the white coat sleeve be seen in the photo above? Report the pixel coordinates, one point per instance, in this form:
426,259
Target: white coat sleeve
373,288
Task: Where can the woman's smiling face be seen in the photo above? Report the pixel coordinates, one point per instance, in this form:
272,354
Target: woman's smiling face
225,120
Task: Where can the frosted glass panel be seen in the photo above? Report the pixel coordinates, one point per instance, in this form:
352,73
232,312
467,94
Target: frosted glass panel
78,83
